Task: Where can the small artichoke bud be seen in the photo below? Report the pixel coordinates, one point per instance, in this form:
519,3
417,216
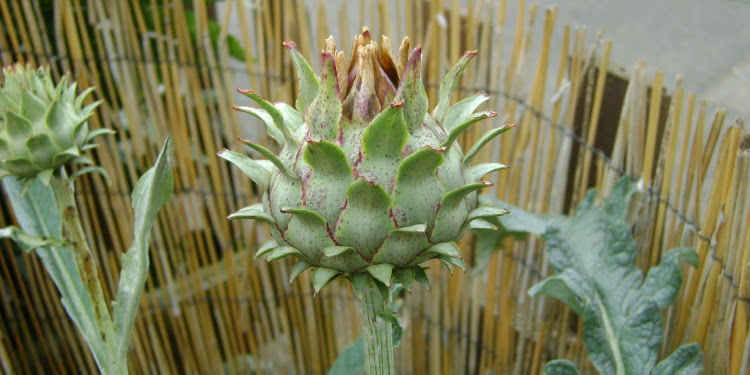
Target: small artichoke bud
42,126
368,182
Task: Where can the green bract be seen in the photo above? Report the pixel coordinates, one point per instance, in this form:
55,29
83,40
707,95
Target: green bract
42,126
367,181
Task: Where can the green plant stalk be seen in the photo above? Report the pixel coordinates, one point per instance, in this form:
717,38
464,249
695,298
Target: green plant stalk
377,332
613,343
74,235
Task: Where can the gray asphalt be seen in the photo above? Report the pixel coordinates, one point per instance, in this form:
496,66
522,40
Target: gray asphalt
707,41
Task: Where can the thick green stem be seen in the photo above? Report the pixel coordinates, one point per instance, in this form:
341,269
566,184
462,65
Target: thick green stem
74,235
377,332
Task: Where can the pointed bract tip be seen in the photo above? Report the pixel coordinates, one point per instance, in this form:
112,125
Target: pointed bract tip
397,105
290,45
511,125
492,114
471,53
221,151
326,55
245,92
365,32
487,183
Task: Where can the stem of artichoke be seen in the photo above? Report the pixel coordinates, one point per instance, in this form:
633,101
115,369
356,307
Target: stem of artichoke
377,332
74,235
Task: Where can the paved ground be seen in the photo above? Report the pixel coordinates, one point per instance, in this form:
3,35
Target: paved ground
706,41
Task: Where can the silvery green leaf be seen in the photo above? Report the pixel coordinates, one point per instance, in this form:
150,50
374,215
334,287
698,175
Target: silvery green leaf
560,367
37,215
28,242
396,328
593,254
686,360
151,192
351,361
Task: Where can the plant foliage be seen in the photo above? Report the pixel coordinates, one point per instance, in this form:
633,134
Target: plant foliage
593,255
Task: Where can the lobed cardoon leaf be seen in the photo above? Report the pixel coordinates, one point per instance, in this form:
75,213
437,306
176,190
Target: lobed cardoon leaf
403,245
270,156
382,144
411,92
661,285
568,287
593,254
248,166
37,215
560,367
480,170
483,140
381,272
298,268
462,110
460,128
686,360
452,212
448,84
351,360
324,112
308,81
364,222
326,187
418,190
322,276
308,231
275,113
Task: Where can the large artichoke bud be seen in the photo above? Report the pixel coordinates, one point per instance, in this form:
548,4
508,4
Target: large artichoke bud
42,126
367,181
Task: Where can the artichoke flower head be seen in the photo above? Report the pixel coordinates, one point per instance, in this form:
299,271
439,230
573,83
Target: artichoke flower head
42,126
367,181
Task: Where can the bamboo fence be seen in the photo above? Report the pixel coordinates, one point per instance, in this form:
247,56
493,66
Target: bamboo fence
164,69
